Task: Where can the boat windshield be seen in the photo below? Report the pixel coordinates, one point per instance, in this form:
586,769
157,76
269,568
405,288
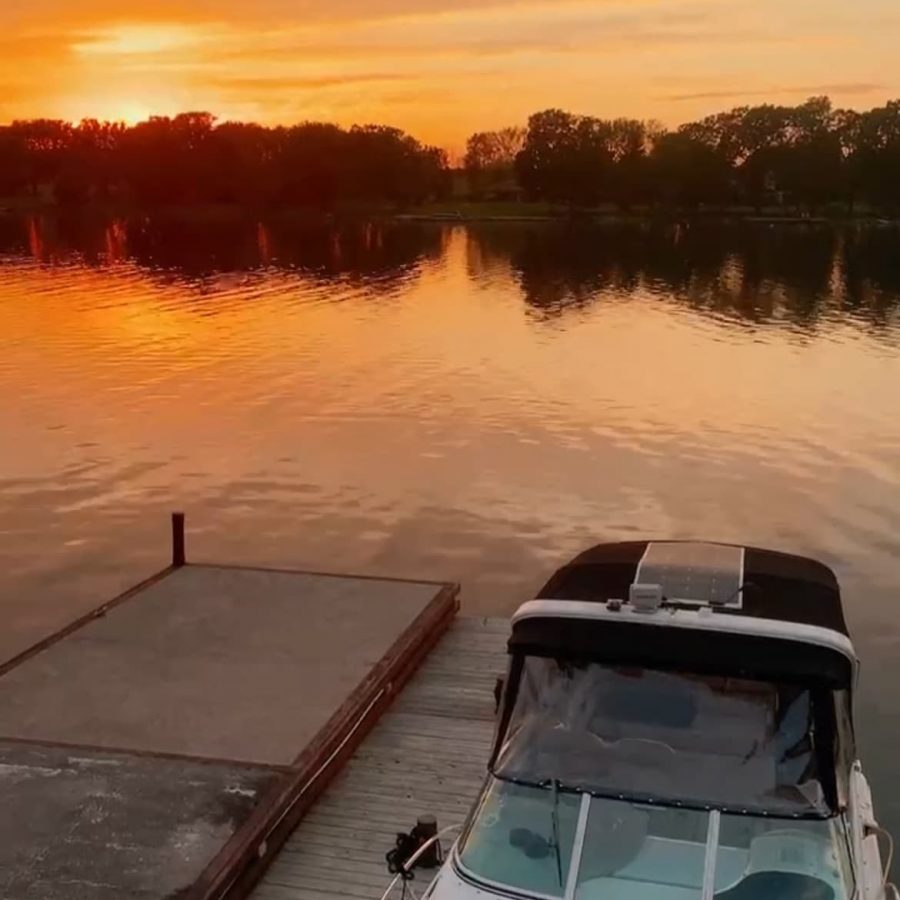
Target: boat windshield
700,740
546,844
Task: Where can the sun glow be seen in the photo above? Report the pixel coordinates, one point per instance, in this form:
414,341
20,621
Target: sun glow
148,62
121,106
131,112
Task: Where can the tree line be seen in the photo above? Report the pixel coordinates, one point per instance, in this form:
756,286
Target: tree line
191,159
809,156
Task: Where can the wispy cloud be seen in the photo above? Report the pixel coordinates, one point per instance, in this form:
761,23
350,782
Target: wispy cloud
806,90
565,29
310,12
30,46
145,39
306,84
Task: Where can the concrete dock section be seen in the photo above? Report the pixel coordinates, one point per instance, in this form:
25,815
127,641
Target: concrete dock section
165,745
80,823
215,662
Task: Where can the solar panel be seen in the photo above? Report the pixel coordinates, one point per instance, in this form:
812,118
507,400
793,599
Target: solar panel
694,572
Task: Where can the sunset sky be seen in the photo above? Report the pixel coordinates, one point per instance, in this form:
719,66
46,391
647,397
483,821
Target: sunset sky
439,68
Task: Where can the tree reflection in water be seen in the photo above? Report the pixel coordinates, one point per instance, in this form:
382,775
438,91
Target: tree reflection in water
790,275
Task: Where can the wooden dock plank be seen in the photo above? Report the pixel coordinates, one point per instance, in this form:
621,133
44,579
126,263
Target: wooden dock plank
428,754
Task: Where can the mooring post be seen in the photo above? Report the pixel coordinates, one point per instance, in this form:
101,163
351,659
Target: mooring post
428,829
178,558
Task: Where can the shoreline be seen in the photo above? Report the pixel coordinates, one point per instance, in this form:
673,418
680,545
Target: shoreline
649,218
464,213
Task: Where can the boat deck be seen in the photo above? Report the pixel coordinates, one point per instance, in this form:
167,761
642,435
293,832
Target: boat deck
427,755
166,744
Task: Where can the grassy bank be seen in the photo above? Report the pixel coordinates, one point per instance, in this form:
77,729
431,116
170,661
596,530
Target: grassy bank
467,211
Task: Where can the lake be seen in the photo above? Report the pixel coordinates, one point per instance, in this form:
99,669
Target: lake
439,401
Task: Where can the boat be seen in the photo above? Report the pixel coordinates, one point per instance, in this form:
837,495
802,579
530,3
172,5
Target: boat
675,724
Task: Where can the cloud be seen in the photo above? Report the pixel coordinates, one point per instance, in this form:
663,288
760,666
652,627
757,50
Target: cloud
257,85
31,46
442,67
147,38
287,12
807,90
566,28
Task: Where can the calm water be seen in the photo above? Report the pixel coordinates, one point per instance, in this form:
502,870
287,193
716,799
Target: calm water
474,405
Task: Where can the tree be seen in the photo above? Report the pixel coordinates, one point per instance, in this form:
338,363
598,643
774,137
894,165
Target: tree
167,160
688,172
242,160
308,165
630,141
721,132
46,142
386,163
872,146
14,162
812,168
91,162
565,158
582,160
490,159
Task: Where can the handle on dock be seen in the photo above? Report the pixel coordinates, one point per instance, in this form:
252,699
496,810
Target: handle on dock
178,557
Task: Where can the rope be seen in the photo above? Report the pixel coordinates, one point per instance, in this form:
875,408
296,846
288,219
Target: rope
877,829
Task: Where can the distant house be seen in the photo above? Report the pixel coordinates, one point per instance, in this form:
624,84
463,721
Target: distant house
496,183
508,193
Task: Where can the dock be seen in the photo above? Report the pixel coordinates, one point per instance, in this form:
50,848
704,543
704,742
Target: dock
427,755
166,745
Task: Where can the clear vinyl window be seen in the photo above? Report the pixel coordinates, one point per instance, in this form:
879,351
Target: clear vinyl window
635,733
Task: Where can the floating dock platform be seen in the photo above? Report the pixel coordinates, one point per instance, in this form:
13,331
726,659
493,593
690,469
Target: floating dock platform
166,745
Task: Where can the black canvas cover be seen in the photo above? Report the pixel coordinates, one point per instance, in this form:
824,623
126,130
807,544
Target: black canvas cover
775,586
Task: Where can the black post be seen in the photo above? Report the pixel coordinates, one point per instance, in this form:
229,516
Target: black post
426,828
178,540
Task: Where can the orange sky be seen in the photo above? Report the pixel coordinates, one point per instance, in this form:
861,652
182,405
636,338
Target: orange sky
439,68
